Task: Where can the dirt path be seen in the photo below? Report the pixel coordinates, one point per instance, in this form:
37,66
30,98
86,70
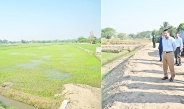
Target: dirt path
82,96
138,85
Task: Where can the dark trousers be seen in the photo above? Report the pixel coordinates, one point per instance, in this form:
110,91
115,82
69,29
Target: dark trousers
177,56
160,54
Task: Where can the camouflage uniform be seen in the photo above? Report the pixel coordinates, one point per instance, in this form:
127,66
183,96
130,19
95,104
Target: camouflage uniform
154,41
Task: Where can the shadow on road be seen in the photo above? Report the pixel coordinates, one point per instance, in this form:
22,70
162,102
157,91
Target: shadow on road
145,86
145,97
150,79
155,53
152,63
141,97
147,60
150,71
158,72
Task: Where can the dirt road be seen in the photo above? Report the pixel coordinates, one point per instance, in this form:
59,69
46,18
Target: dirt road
137,84
82,96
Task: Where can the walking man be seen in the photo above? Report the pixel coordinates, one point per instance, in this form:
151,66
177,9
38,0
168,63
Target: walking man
179,45
169,46
160,47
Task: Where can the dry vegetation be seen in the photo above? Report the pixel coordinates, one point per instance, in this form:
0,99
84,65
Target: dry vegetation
115,48
118,41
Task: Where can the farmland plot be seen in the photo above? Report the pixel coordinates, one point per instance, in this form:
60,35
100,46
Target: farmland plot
38,72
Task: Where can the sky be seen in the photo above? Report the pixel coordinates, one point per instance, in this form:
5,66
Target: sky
49,19
133,16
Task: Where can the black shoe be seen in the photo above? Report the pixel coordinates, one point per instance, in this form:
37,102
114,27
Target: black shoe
175,63
164,78
171,80
178,65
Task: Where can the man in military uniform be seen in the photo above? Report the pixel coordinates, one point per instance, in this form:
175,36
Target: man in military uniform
154,41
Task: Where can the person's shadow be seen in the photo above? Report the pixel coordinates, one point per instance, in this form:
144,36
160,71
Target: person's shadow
155,53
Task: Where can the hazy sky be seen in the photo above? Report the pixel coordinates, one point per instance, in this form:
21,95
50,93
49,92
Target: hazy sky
49,19
132,16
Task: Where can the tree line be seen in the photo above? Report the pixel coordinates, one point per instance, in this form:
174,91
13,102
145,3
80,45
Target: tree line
37,41
91,39
109,33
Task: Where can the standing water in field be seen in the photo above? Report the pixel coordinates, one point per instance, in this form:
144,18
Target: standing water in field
46,57
23,54
13,103
32,65
56,75
6,70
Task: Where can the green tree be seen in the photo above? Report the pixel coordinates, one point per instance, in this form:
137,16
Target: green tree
144,34
92,38
133,36
4,41
23,41
81,39
122,36
165,25
173,30
98,40
180,27
108,33
128,36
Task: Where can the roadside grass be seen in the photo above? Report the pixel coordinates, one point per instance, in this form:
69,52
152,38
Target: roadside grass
42,69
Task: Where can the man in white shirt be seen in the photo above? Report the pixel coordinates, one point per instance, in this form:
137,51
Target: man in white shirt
179,45
169,46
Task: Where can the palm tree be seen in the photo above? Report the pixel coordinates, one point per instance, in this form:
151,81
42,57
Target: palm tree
166,25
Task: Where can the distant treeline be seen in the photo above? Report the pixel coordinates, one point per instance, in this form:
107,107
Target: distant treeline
37,41
109,33
91,39
79,40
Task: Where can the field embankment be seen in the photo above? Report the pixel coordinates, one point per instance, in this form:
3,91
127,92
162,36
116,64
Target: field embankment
115,53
